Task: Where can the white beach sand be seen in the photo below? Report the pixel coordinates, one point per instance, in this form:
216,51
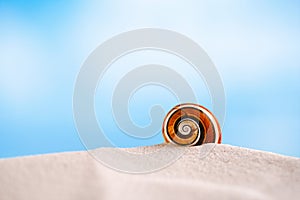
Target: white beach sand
228,172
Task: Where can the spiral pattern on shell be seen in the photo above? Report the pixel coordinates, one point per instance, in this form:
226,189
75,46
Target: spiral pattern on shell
191,125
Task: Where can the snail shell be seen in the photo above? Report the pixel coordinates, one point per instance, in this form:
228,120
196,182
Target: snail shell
191,125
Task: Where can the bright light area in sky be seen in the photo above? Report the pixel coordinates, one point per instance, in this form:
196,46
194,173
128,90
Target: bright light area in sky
255,46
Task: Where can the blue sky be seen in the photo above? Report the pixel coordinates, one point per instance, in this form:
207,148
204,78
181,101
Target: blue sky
254,44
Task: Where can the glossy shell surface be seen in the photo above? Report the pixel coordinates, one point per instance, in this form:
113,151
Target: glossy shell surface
191,125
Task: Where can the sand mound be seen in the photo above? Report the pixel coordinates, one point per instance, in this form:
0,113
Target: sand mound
227,172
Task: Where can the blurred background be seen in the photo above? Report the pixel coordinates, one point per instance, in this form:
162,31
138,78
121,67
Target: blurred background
255,45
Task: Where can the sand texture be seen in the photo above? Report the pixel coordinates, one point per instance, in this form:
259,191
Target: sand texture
227,172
